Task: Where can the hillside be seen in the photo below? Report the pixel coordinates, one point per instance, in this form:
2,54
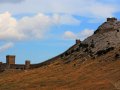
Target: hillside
90,75
92,64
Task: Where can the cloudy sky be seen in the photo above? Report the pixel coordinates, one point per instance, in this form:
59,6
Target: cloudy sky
37,30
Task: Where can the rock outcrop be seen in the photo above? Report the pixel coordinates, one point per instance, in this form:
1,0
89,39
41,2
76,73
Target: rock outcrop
104,40
112,24
106,36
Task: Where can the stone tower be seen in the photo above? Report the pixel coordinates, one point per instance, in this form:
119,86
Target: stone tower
27,64
78,41
112,19
10,59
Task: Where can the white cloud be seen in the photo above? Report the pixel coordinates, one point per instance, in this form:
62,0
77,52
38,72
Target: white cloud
69,35
91,8
6,46
8,27
82,34
85,33
34,27
103,10
67,19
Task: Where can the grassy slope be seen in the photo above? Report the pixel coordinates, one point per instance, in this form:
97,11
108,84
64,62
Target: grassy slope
90,75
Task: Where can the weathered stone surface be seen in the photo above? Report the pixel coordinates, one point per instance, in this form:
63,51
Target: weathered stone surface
107,35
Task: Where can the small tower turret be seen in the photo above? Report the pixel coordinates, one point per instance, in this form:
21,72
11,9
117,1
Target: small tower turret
78,41
112,19
27,64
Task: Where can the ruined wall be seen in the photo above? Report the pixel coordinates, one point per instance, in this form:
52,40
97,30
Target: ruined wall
10,60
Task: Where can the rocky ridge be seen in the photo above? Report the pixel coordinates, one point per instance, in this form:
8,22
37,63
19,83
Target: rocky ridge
104,40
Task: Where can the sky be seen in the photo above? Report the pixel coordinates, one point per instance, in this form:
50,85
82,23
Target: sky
38,30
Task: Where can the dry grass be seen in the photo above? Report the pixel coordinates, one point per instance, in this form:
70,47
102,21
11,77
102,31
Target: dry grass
90,75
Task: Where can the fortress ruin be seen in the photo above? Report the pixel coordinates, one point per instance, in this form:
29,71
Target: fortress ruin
10,61
112,19
10,64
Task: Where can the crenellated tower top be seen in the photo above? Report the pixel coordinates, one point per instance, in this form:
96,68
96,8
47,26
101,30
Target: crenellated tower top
111,19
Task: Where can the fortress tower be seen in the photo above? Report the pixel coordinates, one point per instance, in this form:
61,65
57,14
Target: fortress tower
78,41
10,59
27,64
112,19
